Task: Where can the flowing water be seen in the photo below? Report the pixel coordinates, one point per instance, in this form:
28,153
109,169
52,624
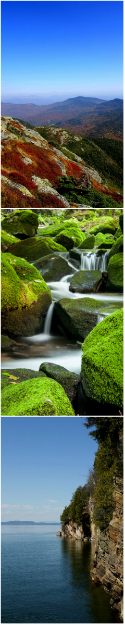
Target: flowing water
46,347
46,579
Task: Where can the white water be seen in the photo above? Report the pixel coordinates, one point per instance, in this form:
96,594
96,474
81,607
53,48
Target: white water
48,319
90,261
44,347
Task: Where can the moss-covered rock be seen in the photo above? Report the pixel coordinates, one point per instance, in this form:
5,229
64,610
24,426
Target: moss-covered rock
25,297
102,361
117,247
77,317
38,397
74,234
86,281
115,273
53,267
104,240
36,247
7,240
67,379
15,376
104,225
88,243
65,240
21,223
6,343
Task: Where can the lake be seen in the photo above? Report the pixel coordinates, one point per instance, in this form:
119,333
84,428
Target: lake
46,579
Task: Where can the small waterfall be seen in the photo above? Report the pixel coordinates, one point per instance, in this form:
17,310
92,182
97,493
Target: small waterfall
48,319
90,261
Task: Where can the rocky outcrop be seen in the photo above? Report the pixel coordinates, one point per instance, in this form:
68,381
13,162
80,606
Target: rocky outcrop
72,530
107,567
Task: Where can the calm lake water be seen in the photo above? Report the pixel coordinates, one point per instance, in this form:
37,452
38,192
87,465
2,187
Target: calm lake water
46,579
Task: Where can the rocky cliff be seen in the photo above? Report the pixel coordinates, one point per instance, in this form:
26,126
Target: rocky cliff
107,567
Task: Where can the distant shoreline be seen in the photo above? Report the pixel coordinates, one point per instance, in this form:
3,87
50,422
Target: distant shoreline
28,523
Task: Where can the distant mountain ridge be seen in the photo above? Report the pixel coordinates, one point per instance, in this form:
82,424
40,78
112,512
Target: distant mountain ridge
27,523
86,116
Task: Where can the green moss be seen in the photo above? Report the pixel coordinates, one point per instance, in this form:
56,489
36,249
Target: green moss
36,247
20,375
105,225
115,272
117,247
39,397
21,221
7,240
74,233
102,361
78,316
88,243
24,302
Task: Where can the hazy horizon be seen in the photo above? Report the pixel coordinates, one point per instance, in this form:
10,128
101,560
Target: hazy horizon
40,100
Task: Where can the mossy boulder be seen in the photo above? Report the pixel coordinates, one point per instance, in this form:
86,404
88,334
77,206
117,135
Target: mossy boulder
88,243
117,247
25,297
36,397
104,240
6,343
36,247
53,267
21,223
102,361
78,317
55,228
115,273
16,376
67,379
65,240
104,225
86,281
7,240
74,234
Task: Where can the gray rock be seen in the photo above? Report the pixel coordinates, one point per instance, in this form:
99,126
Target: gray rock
86,282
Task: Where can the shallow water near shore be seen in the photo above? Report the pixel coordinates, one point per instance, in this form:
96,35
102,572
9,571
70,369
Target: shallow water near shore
46,579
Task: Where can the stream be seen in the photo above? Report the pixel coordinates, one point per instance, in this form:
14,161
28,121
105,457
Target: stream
31,352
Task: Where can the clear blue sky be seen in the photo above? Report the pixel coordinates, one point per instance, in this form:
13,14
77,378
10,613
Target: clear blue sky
44,460
60,49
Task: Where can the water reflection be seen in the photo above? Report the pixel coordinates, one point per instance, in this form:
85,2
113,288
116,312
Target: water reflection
79,556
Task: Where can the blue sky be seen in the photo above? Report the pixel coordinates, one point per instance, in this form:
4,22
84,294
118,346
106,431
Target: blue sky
44,460
58,49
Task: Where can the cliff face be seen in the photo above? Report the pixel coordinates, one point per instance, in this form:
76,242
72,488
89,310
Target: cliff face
108,561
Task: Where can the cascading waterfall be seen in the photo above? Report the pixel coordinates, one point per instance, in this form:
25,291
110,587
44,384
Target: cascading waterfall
48,319
90,261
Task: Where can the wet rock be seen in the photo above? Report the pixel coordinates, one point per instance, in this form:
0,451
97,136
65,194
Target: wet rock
86,282
53,267
76,317
67,379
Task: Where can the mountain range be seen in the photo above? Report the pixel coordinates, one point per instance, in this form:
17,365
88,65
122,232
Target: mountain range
86,116
53,167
